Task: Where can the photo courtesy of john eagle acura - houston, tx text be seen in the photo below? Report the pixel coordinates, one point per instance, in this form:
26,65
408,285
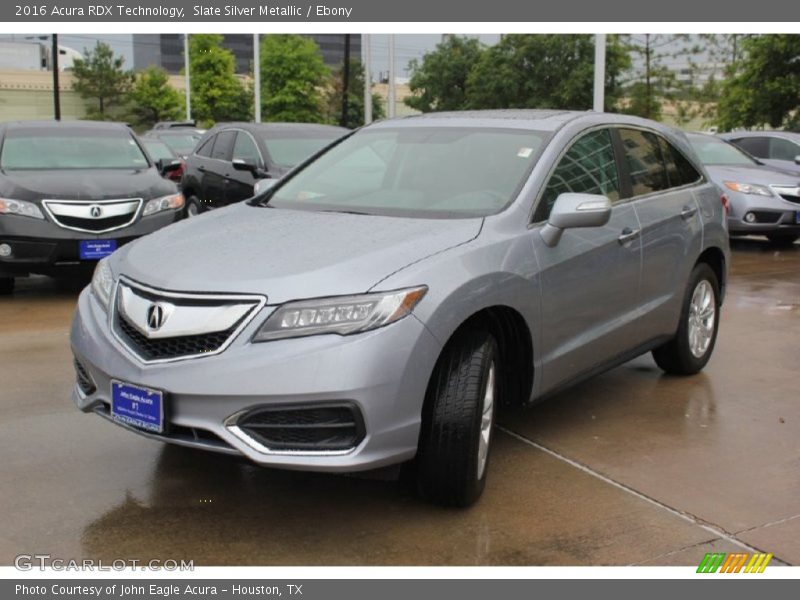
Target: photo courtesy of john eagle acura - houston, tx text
377,304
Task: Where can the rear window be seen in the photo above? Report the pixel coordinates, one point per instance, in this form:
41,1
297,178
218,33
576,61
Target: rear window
181,144
158,150
42,149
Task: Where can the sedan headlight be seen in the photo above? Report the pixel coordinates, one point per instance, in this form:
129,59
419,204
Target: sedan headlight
20,208
102,283
342,314
157,205
749,188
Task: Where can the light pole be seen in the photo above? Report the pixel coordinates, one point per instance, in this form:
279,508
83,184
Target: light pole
365,40
56,86
187,80
599,72
392,98
256,78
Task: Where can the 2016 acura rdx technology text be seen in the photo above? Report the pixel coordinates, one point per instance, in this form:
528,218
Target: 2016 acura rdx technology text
73,192
377,305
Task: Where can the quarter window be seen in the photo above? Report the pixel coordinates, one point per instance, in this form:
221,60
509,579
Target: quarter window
588,167
645,164
205,149
680,171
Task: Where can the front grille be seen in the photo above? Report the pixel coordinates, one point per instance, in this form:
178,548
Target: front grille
173,347
332,427
83,379
789,198
97,225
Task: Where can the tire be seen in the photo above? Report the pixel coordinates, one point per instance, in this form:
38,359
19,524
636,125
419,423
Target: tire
452,461
686,354
782,240
192,207
6,286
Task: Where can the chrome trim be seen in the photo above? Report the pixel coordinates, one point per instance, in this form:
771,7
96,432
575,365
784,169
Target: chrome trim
177,320
787,190
257,303
231,425
71,208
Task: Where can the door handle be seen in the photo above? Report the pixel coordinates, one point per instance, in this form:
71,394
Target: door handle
201,168
628,235
687,212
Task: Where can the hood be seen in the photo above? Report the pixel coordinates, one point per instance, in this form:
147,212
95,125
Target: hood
286,254
755,174
84,184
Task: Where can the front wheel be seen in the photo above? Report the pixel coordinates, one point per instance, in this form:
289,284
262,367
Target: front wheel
689,351
192,207
455,442
6,286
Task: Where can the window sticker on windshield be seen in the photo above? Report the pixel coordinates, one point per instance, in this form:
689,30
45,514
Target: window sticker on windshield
525,152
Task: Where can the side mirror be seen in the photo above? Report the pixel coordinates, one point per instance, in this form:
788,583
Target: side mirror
167,166
262,185
575,210
797,159
241,164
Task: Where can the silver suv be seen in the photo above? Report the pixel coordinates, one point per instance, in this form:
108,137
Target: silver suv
377,305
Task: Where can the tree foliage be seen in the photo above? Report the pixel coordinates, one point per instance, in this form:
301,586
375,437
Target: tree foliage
293,79
355,97
764,86
101,78
544,71
439,82
217,94
153,99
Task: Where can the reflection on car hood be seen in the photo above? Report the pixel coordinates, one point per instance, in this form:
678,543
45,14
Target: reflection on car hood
286,254
83,184
755,174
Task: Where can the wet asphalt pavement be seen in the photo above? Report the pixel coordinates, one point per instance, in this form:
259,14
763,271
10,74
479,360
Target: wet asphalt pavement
631,467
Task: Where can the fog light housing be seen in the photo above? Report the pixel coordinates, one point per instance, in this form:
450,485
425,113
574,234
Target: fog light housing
750,217
5,251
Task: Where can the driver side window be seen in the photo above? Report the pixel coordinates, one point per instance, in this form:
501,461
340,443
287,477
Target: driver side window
588,167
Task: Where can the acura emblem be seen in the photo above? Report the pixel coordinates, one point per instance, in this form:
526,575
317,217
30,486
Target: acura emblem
157,315
95,211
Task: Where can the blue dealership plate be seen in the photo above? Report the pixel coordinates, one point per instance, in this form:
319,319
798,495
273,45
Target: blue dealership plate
137,406
797,217
96,249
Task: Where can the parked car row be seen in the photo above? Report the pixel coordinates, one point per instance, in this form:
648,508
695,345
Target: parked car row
72,192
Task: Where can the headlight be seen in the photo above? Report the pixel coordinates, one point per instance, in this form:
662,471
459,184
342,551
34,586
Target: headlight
102,282
156,205
749,188
342,314
20,207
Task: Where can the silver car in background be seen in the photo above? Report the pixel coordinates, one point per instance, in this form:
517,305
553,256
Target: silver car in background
763,200
777,149
376,305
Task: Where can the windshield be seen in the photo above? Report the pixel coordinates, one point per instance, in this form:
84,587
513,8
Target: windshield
291,151
714,151
420,171
181,144
40,149
158,150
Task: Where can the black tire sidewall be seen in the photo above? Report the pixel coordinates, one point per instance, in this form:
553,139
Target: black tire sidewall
693,363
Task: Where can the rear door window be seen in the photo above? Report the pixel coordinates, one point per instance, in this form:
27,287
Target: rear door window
648,173
680,171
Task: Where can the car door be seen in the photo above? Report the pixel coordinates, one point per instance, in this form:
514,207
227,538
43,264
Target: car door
218,169
590,279
240,183
663,184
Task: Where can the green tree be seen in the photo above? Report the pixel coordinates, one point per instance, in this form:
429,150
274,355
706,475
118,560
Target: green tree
544,71
100,77
764,86
293,79
217,94
153,99
439,82
355,98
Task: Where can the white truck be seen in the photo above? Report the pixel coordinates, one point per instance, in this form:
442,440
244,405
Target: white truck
25,56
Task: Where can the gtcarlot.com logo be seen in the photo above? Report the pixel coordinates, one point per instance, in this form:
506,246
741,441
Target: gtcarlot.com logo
736,562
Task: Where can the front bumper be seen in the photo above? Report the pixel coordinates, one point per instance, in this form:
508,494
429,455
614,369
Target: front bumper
40,246
383,373
771,215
